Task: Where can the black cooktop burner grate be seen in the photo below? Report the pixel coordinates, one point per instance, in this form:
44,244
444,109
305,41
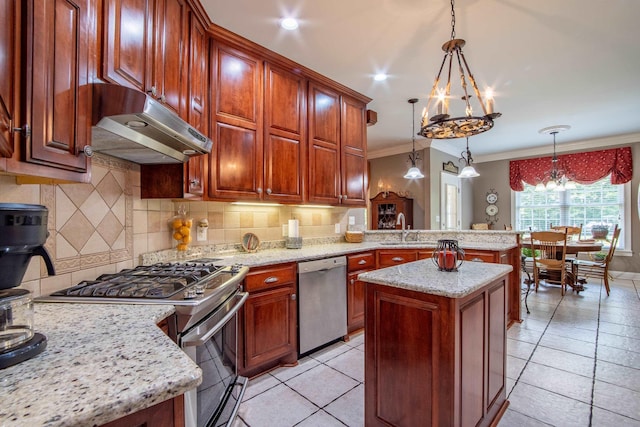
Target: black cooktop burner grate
158,281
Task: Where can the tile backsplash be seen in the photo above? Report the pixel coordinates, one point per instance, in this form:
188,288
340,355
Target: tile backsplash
104,226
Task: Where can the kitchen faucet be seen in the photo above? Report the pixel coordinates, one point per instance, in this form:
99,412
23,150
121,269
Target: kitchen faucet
405,231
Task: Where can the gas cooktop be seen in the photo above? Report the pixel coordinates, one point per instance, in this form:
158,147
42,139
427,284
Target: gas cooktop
181,283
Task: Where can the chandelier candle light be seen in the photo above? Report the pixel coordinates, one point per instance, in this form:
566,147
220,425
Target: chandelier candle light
413,172
557,178
442,125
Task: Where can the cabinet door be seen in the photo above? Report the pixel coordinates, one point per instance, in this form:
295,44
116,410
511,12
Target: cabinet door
58,98
197,102
284,143
324,145
269,326
353,141
355,302
128,43
387,258
170,60
236,165
8,82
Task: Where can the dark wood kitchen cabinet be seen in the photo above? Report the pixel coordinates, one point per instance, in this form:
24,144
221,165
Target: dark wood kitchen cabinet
198,104
236,161
268,320
390,257
337,147
145,47
163,414
9,80
356,264
433,360
51,66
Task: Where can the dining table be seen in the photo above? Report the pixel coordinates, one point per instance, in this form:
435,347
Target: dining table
574,247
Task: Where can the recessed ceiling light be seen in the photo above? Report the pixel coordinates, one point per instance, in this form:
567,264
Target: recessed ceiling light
289,24
380,77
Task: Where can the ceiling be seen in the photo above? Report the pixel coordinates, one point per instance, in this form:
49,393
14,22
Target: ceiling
549,62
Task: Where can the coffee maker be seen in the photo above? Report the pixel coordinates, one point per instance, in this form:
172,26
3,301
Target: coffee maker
23,232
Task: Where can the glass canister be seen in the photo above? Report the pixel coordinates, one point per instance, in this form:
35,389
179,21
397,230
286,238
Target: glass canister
448,256
16,318
180,226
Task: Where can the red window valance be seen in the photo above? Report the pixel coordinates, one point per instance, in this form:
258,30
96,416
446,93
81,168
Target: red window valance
583,168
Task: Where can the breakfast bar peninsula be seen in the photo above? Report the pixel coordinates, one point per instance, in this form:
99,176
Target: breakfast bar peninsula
435,345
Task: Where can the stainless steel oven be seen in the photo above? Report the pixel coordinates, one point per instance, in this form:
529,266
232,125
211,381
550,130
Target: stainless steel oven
207,297
212,345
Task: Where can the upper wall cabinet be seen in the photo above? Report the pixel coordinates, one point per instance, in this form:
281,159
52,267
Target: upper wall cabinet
9,80
51,111
145,48
235,169
284,140
337,148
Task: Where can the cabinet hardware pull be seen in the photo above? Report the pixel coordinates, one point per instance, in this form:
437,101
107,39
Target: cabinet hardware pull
87,150
268,191
362,262
397,259
344,197
477,260
340,197
24,130
353,281
195,182
293,297
163,99
271,279
259,190
153,91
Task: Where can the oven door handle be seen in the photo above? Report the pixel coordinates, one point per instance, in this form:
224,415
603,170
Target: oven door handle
205,331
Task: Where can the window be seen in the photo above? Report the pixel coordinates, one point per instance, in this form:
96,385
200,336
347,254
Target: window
600,203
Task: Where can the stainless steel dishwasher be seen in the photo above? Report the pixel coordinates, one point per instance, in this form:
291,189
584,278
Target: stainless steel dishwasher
322,302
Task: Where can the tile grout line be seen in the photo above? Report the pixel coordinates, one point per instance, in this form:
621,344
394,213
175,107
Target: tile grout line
595,358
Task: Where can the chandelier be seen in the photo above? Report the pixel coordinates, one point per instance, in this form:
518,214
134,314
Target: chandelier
442,125
413,172
557,179
468,171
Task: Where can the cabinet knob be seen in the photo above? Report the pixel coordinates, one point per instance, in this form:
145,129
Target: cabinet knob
268,191
87,150
195,182
24,130
397,259
344,197
153,91
352,281
340,197
163,98
259,190
293,297
271,279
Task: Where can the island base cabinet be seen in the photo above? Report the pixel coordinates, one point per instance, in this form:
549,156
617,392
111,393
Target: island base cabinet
435,361
169,413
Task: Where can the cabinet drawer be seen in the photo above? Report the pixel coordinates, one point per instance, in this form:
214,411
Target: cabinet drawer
265,278
361,261
480,256
395,257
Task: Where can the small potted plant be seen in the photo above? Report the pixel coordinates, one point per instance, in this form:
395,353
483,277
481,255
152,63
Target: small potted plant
600,231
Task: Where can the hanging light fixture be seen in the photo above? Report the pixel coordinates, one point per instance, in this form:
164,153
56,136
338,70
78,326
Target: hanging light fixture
442,125
468,171
557,179
413,172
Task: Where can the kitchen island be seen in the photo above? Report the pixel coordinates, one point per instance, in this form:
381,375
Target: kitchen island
435,345
102,362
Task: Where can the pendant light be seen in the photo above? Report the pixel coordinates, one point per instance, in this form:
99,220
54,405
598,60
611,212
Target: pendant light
413,172
468,171
557,179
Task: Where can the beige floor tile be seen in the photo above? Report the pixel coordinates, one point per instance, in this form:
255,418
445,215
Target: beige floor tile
320,419
604,418
279,406
350,363
520,349
349,408
567,384
512,418
619,356
548,407
616,399
322,384
563,360
619,375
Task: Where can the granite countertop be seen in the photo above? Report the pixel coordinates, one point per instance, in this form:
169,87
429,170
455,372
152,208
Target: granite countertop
315,249
424,276
102,362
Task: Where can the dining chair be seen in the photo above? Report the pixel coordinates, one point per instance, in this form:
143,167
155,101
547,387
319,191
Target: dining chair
573,232
583,269
549,250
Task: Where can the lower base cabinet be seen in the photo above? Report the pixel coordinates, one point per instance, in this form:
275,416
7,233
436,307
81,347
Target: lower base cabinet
356,264
435,361
268,320
169,413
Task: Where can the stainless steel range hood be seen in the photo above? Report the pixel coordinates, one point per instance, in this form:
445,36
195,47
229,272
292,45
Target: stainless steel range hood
130,125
